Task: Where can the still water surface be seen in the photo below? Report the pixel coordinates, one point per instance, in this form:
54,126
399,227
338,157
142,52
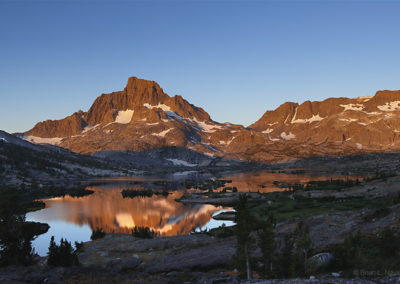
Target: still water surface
75,218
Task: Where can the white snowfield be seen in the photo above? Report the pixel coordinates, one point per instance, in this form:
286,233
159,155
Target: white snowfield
357,107
162,133
308,120
40,140
390,106
287,136
178,162
3,139
124,116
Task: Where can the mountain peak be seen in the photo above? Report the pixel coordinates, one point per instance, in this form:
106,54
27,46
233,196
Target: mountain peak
140,100
136,85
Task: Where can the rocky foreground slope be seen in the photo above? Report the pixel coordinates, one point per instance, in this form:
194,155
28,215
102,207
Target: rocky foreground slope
143,117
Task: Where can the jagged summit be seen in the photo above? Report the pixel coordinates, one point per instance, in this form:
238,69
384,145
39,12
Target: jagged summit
142,117
141,100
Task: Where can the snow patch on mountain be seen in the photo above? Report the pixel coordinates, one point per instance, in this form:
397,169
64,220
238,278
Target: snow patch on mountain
357,107
124,116
161,106
162,133
364,99
348,119
40,140
89,127
207,145
287,136
309,120
267,131
390,106
173,115
178,162
3,139
205,127
226,142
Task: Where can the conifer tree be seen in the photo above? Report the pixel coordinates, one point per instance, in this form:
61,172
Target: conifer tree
244,223
267,245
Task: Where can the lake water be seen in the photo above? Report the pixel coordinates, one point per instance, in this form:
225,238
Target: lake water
75,218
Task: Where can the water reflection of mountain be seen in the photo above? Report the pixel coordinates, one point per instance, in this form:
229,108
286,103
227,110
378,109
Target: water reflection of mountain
107,209
263,180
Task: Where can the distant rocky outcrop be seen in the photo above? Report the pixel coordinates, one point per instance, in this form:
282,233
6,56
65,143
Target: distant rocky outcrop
69,126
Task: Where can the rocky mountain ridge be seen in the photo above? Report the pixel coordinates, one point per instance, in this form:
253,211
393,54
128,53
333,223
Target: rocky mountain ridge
143,117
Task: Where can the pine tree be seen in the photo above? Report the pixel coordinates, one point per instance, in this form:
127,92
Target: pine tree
244,223
52,253
267,245
303,246
286,258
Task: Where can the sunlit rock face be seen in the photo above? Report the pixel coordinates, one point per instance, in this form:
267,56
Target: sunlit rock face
107,209
142,116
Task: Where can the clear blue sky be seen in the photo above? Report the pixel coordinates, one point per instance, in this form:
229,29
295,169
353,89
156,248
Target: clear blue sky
236,59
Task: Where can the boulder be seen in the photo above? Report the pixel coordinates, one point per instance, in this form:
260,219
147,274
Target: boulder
320,260
125,264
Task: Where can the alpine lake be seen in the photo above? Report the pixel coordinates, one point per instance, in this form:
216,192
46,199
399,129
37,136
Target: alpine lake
74,218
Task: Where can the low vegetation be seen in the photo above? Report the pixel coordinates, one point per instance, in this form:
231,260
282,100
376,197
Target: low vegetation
54,191
332,184
131,193
97,233
209,184
378,253
143,233
289,256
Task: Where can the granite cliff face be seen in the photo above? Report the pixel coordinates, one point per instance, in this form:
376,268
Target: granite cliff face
143,117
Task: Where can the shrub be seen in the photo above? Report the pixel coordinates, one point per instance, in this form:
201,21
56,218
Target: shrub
143,232
78,246
98,233
61,255
222,231
129,193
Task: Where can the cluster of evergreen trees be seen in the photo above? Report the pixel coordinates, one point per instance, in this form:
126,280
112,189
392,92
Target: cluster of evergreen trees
61,255
288,256
278,260
16,236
